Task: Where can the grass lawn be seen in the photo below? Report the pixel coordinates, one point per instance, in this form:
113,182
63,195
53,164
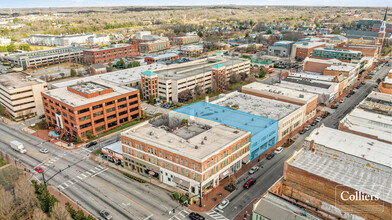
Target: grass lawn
2,162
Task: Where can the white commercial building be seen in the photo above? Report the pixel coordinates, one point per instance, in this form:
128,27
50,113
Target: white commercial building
289,116
371,118
63,40
20,95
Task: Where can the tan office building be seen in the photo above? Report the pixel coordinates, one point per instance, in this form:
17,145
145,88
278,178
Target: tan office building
20,94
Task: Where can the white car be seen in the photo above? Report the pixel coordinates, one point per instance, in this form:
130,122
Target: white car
307,128
44,150
341,101
278,150
223,204
151,112
144,108
253,169
318,119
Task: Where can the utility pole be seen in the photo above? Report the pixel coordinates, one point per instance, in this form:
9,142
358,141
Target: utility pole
200,205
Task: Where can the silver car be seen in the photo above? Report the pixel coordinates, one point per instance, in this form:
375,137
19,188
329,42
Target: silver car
253,169
43,150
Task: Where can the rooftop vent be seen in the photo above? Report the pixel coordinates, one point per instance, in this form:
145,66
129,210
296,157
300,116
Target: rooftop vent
157,136
205,137
151,133
196,147
236,132
170,141
202,142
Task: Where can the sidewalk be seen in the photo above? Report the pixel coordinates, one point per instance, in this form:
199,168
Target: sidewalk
63,199
153,181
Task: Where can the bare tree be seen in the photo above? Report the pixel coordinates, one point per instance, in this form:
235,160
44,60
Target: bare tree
60,213
38,214
6,204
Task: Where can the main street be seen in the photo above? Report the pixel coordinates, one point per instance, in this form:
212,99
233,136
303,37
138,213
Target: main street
96,187
273,169
92,186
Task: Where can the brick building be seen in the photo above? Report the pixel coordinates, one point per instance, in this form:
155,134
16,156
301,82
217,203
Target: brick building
334,174
90,108
366,50
149,82
154,46
340,54
162,58
306,49
189,39
285,95
110,53
386,85
190,153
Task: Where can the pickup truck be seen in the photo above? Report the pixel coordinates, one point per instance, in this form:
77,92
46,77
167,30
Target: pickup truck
17,146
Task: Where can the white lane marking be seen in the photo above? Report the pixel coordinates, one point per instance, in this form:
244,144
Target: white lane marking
100,172
148,217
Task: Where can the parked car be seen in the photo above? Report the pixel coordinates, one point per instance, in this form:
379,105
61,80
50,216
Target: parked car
270,156
42,117
223,204
43,150
318,119
39,169
92,143
303,131
254,169
250,182
278,150
151,112
105,214
314,123
195,216
144,108
307,128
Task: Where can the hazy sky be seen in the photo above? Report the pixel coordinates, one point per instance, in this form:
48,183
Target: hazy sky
65,3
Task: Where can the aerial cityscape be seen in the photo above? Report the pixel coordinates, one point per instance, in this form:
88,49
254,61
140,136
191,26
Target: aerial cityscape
169,110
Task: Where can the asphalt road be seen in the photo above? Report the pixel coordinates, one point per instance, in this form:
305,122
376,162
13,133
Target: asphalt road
273,169
95,187
92,186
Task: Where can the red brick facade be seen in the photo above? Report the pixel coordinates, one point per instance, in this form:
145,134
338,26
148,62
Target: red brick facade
302,53
93,118
106,55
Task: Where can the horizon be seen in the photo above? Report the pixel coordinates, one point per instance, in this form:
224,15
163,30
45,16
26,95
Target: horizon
154,3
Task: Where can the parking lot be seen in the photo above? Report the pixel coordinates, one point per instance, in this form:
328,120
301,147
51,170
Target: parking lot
153,109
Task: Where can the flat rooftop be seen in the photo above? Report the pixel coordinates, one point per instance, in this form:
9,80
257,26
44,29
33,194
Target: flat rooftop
358,146
255,105
355,177
337,50
278,90
197,141
192,68
67,97
312,76
271,206
310,44
369,122
112,46
242,120
305,88
341,68
162,56
16,80
89,87
116,147
377,101
122,77
50,52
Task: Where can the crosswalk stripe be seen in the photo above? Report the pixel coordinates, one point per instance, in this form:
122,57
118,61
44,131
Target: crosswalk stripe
92,170
88,173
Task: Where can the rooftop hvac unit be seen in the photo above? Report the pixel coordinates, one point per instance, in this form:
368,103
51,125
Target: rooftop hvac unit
202,142
182,141
170,141
301,95
196,147
151,133
157,136
205,137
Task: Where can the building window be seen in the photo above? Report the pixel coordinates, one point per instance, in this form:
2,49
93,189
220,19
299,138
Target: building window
97,106
109,103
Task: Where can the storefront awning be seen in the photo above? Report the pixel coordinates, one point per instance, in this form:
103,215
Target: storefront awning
246,159
181,182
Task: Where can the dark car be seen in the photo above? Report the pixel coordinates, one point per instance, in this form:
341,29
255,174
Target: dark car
270,156
302,131
250,182
42,117
195,216
314,123
88,145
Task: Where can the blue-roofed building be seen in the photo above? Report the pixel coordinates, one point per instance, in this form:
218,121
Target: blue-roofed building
264,131
113,153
